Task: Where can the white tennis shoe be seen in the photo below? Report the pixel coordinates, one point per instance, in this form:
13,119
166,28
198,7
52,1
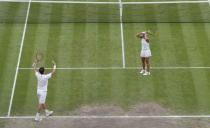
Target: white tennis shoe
49,113
146,74
142,71
38,118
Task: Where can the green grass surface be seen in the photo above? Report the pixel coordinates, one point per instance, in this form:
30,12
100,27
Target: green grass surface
85,44
10,39
74,45
71,13
70,45
166,13
182,91
12,12
65,13
69,90
172,45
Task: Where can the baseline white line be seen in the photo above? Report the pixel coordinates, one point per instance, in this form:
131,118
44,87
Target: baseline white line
86,2
19,57
122,34
119,68
75,2
13,1
166,2
110,117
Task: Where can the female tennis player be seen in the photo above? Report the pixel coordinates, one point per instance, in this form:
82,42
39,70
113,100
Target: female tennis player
145,52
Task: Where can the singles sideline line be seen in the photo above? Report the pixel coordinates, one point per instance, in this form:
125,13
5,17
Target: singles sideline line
122,35
19,58
120,68
109,117
86,2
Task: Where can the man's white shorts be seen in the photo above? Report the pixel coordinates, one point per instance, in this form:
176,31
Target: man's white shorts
145,53
41,96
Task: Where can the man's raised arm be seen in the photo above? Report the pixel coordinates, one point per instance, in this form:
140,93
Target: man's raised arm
35,63
54,68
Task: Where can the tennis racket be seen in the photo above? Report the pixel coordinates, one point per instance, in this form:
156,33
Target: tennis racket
39,57
151,32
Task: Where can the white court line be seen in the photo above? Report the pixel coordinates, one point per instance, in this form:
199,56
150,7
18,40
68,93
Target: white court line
120,68
122,37
86,2
110,117
19,57
13,1
61,2
166,2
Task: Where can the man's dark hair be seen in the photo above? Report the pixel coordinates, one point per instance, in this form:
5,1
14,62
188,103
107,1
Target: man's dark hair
41,70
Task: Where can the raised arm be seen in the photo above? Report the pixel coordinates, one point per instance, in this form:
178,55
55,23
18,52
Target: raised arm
139,35
54,68
35,63
145,37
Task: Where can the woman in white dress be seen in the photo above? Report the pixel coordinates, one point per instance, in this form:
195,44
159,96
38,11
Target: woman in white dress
145,52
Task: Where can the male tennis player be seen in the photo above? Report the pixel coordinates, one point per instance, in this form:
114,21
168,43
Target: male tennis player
145,52
42,88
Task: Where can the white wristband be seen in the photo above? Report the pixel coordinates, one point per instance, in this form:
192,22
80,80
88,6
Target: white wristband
54,67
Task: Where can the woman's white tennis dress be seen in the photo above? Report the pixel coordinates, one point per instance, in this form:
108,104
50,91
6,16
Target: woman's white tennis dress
145,49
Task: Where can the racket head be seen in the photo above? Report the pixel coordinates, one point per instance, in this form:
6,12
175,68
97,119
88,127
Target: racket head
152,31
39,56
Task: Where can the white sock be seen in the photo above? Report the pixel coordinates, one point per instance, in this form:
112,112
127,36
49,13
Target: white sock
37,114
46,110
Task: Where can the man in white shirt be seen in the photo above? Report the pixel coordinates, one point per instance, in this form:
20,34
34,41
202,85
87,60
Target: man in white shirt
42,88
145,52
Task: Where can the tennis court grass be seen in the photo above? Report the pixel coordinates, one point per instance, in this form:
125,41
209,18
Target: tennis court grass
73,13
74,45
183,91
12,12
86,13
103,13
172,44
10,39
180,91
177,13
